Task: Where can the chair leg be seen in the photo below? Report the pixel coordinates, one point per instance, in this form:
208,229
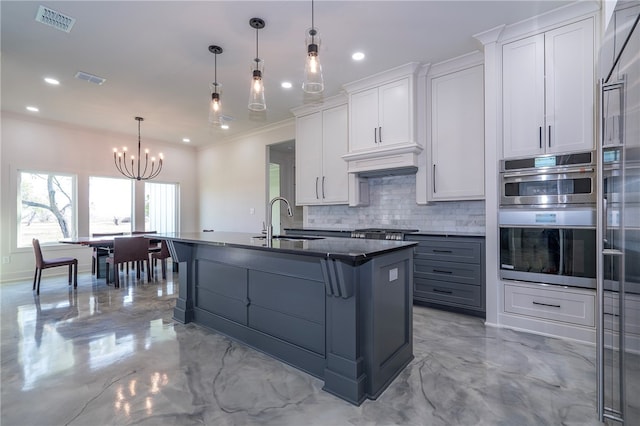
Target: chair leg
70,272
35,276
39,277
116,275
75,274
93,265
164,268
148,270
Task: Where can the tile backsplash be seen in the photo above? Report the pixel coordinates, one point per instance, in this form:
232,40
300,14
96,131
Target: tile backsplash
393,205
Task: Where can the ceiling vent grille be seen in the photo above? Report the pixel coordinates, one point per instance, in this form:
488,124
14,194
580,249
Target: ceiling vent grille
90,78
55,19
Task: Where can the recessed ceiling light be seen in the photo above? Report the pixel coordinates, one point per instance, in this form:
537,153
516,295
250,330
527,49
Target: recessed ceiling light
286,85
224,126
186,140
51,81
32,109
358,56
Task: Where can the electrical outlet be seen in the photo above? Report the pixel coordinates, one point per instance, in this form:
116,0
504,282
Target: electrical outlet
6,259
252,211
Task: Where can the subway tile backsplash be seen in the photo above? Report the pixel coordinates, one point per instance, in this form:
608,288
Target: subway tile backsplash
393,205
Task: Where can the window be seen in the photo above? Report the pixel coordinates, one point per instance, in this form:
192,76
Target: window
109,205
161,207
46,207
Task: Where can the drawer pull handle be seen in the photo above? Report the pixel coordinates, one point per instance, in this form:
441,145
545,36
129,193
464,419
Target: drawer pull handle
439,271
442,251
442,291
546,304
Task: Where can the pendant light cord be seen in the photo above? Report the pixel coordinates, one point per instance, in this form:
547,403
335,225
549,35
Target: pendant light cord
215,73
313,27
257,56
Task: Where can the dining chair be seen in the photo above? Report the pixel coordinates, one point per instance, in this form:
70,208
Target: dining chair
162,256
153,246
99,252
42,263
128,249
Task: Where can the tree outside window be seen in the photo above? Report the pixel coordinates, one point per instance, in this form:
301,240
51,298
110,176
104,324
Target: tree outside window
47,207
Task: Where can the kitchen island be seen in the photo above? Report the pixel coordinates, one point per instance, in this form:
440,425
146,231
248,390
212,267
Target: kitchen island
339,309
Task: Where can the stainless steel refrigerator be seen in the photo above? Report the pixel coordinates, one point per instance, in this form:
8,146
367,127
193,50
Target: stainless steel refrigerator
618,264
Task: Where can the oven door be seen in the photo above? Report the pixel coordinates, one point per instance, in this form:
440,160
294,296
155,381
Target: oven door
540,246
560,186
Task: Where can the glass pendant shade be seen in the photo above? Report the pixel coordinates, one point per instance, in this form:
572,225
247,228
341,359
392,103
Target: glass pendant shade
215,113
313,80
256,93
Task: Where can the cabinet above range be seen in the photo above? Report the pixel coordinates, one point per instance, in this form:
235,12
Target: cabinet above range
382,121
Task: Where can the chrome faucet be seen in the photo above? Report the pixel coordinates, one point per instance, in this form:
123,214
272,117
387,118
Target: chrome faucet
269,213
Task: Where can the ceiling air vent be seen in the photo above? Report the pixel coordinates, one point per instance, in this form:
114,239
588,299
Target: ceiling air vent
55,19
90,78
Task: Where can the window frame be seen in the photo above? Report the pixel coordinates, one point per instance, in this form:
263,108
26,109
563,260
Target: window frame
17,223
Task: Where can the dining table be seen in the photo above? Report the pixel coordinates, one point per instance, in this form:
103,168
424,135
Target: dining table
106,243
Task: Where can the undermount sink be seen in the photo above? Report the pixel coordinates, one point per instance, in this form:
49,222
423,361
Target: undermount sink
290,237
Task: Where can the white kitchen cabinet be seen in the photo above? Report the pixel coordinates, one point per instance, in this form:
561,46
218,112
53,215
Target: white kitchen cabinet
382,123
575,306
381,116
321,173
548,92
457,135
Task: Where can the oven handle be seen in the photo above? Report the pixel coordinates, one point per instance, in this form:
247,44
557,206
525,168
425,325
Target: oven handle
550,172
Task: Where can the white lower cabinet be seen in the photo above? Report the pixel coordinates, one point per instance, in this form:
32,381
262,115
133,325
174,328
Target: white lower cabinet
321,173
572,306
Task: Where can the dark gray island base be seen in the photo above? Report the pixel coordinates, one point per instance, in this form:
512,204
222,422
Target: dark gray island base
338,309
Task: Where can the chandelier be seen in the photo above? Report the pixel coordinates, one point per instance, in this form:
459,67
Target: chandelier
136,171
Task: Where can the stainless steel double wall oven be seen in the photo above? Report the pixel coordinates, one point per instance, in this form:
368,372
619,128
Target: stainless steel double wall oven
547,219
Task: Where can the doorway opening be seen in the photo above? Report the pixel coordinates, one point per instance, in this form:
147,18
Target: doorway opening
281,160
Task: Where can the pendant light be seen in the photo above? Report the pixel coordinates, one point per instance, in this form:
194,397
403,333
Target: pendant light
136,172
215,115
256,94
313,80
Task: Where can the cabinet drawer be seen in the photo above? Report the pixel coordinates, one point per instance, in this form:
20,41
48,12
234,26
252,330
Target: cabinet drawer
447,250
463,273
448,293
549,304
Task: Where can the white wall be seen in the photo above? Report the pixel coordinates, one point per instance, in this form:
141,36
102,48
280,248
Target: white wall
233,179
32,144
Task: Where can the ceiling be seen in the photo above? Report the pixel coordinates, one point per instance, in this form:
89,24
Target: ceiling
155,59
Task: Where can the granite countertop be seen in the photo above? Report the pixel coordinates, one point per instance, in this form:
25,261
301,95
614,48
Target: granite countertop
351,249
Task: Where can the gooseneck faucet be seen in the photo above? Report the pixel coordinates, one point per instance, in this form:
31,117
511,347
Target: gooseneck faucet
269,213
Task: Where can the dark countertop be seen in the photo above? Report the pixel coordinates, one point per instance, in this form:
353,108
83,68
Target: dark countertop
351,249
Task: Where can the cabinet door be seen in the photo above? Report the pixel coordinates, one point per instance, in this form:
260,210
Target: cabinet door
570,86
308,158
334,185
457,135
363,131
395,113
523,97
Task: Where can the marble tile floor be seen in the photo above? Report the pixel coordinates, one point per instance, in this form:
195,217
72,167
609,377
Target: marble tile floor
107,356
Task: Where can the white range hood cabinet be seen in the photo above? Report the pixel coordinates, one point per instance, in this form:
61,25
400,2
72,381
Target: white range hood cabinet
382,123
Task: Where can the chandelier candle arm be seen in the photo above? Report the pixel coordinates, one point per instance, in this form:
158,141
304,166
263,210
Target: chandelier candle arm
120,160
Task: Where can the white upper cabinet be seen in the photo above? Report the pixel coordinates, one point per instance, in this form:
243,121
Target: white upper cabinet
321,140
381,116
382,124
457,135
548,92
